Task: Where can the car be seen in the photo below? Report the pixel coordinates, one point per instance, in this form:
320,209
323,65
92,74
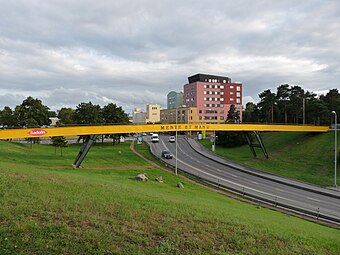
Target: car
172,139
154,138
166,154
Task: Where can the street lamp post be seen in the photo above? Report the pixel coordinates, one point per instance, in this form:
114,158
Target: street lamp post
335,145
176,143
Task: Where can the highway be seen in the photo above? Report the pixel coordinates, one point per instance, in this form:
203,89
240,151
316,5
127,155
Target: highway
309,200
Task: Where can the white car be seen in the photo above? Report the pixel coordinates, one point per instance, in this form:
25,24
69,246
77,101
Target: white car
172,139
154,138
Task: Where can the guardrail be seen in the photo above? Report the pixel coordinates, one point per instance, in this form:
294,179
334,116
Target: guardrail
316,213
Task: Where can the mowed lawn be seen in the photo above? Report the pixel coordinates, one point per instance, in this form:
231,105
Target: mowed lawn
307,157
47,207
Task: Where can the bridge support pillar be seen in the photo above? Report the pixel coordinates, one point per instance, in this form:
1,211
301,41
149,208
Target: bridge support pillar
260,143
90,139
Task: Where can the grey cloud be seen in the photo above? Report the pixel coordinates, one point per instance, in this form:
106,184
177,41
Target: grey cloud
134,52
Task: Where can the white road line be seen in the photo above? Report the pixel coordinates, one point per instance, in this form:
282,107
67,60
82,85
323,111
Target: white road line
313,199
254,182
234,183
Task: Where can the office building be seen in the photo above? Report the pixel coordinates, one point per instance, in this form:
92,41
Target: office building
212,96
153,113
186,115
174,99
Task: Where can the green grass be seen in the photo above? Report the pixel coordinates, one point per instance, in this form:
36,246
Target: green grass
307,157
47,207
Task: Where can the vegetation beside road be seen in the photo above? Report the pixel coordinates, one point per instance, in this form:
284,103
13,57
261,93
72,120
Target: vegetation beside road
307,157
47,207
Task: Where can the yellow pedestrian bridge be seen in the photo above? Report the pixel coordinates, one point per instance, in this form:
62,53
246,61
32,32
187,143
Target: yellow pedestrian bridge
91,132
120,129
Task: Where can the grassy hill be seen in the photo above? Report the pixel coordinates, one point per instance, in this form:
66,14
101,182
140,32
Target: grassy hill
308,157
49,208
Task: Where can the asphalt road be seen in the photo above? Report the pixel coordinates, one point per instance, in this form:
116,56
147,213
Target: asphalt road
283,195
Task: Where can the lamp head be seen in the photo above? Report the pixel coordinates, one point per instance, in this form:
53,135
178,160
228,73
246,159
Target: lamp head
334,112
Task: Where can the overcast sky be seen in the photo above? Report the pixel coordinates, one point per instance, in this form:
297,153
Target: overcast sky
133,52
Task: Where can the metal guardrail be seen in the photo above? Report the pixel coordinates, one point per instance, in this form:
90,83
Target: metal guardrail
277,202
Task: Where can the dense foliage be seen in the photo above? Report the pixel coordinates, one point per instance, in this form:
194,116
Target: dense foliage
294,105
231,139
32,113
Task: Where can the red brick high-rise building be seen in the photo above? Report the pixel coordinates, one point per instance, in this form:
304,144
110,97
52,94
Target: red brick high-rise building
213,95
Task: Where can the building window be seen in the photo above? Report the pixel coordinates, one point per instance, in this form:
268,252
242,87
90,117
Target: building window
238,88
231,99
231,87
238,100
231,93
221,117
224,81
200,111
200,117
238,94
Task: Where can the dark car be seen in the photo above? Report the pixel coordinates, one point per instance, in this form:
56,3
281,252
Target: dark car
166,154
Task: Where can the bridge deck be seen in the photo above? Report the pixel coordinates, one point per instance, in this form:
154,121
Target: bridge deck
117,129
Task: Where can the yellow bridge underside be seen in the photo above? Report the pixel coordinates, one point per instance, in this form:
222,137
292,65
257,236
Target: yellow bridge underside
117,129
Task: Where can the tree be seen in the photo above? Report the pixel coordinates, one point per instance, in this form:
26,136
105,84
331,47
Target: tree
233,116
66,116
113,114
52,114
267,105
250,114
295,103
316,112
59,141
230,139
87,113
282,96
332,101
7,117
32,113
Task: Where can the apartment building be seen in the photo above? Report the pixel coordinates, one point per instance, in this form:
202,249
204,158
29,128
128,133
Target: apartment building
212,96
184,115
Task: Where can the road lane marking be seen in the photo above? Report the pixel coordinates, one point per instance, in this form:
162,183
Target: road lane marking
313,199
239,185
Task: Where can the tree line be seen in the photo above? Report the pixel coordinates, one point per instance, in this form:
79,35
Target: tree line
292,105
32,113
289,105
